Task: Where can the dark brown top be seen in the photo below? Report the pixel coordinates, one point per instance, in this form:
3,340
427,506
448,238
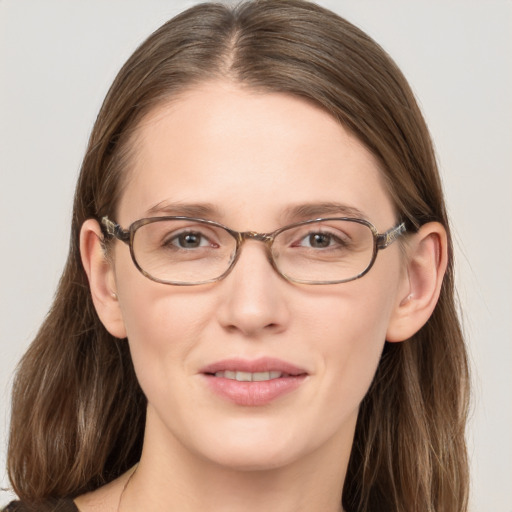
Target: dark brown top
64,505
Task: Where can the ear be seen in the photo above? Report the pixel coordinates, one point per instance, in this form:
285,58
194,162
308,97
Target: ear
426,260
100,273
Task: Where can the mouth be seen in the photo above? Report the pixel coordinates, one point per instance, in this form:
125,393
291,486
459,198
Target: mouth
251,377
253,383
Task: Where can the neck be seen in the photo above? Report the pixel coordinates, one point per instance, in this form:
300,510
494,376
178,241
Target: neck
169,477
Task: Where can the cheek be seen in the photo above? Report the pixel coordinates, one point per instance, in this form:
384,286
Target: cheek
163,332
162,324
355,345
354,316
351,328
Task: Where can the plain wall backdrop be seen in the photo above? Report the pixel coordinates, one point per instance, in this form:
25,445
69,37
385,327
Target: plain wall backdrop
57,60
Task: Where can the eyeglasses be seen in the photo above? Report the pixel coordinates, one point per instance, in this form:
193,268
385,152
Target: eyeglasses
186,251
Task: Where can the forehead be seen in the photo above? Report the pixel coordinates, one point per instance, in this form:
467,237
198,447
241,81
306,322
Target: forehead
251,156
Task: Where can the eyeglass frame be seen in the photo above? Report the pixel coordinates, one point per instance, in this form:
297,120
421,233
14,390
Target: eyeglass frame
380,241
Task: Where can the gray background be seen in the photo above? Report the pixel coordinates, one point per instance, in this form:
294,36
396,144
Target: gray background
57,59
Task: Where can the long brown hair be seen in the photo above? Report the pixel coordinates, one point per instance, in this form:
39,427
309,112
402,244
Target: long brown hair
78,412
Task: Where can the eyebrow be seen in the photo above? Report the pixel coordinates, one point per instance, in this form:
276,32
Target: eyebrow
315,210
290,214
201,210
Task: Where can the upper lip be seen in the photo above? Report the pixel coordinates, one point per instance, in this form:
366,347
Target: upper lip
264,364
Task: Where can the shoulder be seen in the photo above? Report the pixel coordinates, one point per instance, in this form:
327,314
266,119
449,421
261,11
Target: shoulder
63,505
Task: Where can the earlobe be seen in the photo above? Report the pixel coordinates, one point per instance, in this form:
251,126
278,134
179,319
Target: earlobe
100,274
426,260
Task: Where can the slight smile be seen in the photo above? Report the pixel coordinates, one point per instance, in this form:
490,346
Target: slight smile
253,383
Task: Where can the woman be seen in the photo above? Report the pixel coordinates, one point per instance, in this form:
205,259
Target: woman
258,309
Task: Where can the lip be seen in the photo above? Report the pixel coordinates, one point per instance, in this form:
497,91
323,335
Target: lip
253,393
263,364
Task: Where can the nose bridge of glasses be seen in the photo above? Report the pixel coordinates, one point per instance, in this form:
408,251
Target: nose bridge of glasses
260,237
266,238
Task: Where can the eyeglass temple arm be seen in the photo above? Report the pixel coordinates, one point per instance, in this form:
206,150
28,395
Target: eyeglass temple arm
387,238
116,230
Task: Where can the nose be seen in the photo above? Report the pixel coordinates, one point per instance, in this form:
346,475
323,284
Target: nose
253,299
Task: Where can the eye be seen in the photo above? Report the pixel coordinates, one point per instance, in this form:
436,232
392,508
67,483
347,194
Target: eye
320,240
189,240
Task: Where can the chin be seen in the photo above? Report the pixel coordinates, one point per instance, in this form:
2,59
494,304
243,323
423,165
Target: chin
254,458
251,446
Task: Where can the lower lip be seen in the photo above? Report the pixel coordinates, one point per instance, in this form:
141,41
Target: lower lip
253,393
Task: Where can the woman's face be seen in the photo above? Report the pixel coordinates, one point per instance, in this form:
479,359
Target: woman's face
249,160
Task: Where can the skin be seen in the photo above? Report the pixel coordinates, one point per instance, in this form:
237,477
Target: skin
253,157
